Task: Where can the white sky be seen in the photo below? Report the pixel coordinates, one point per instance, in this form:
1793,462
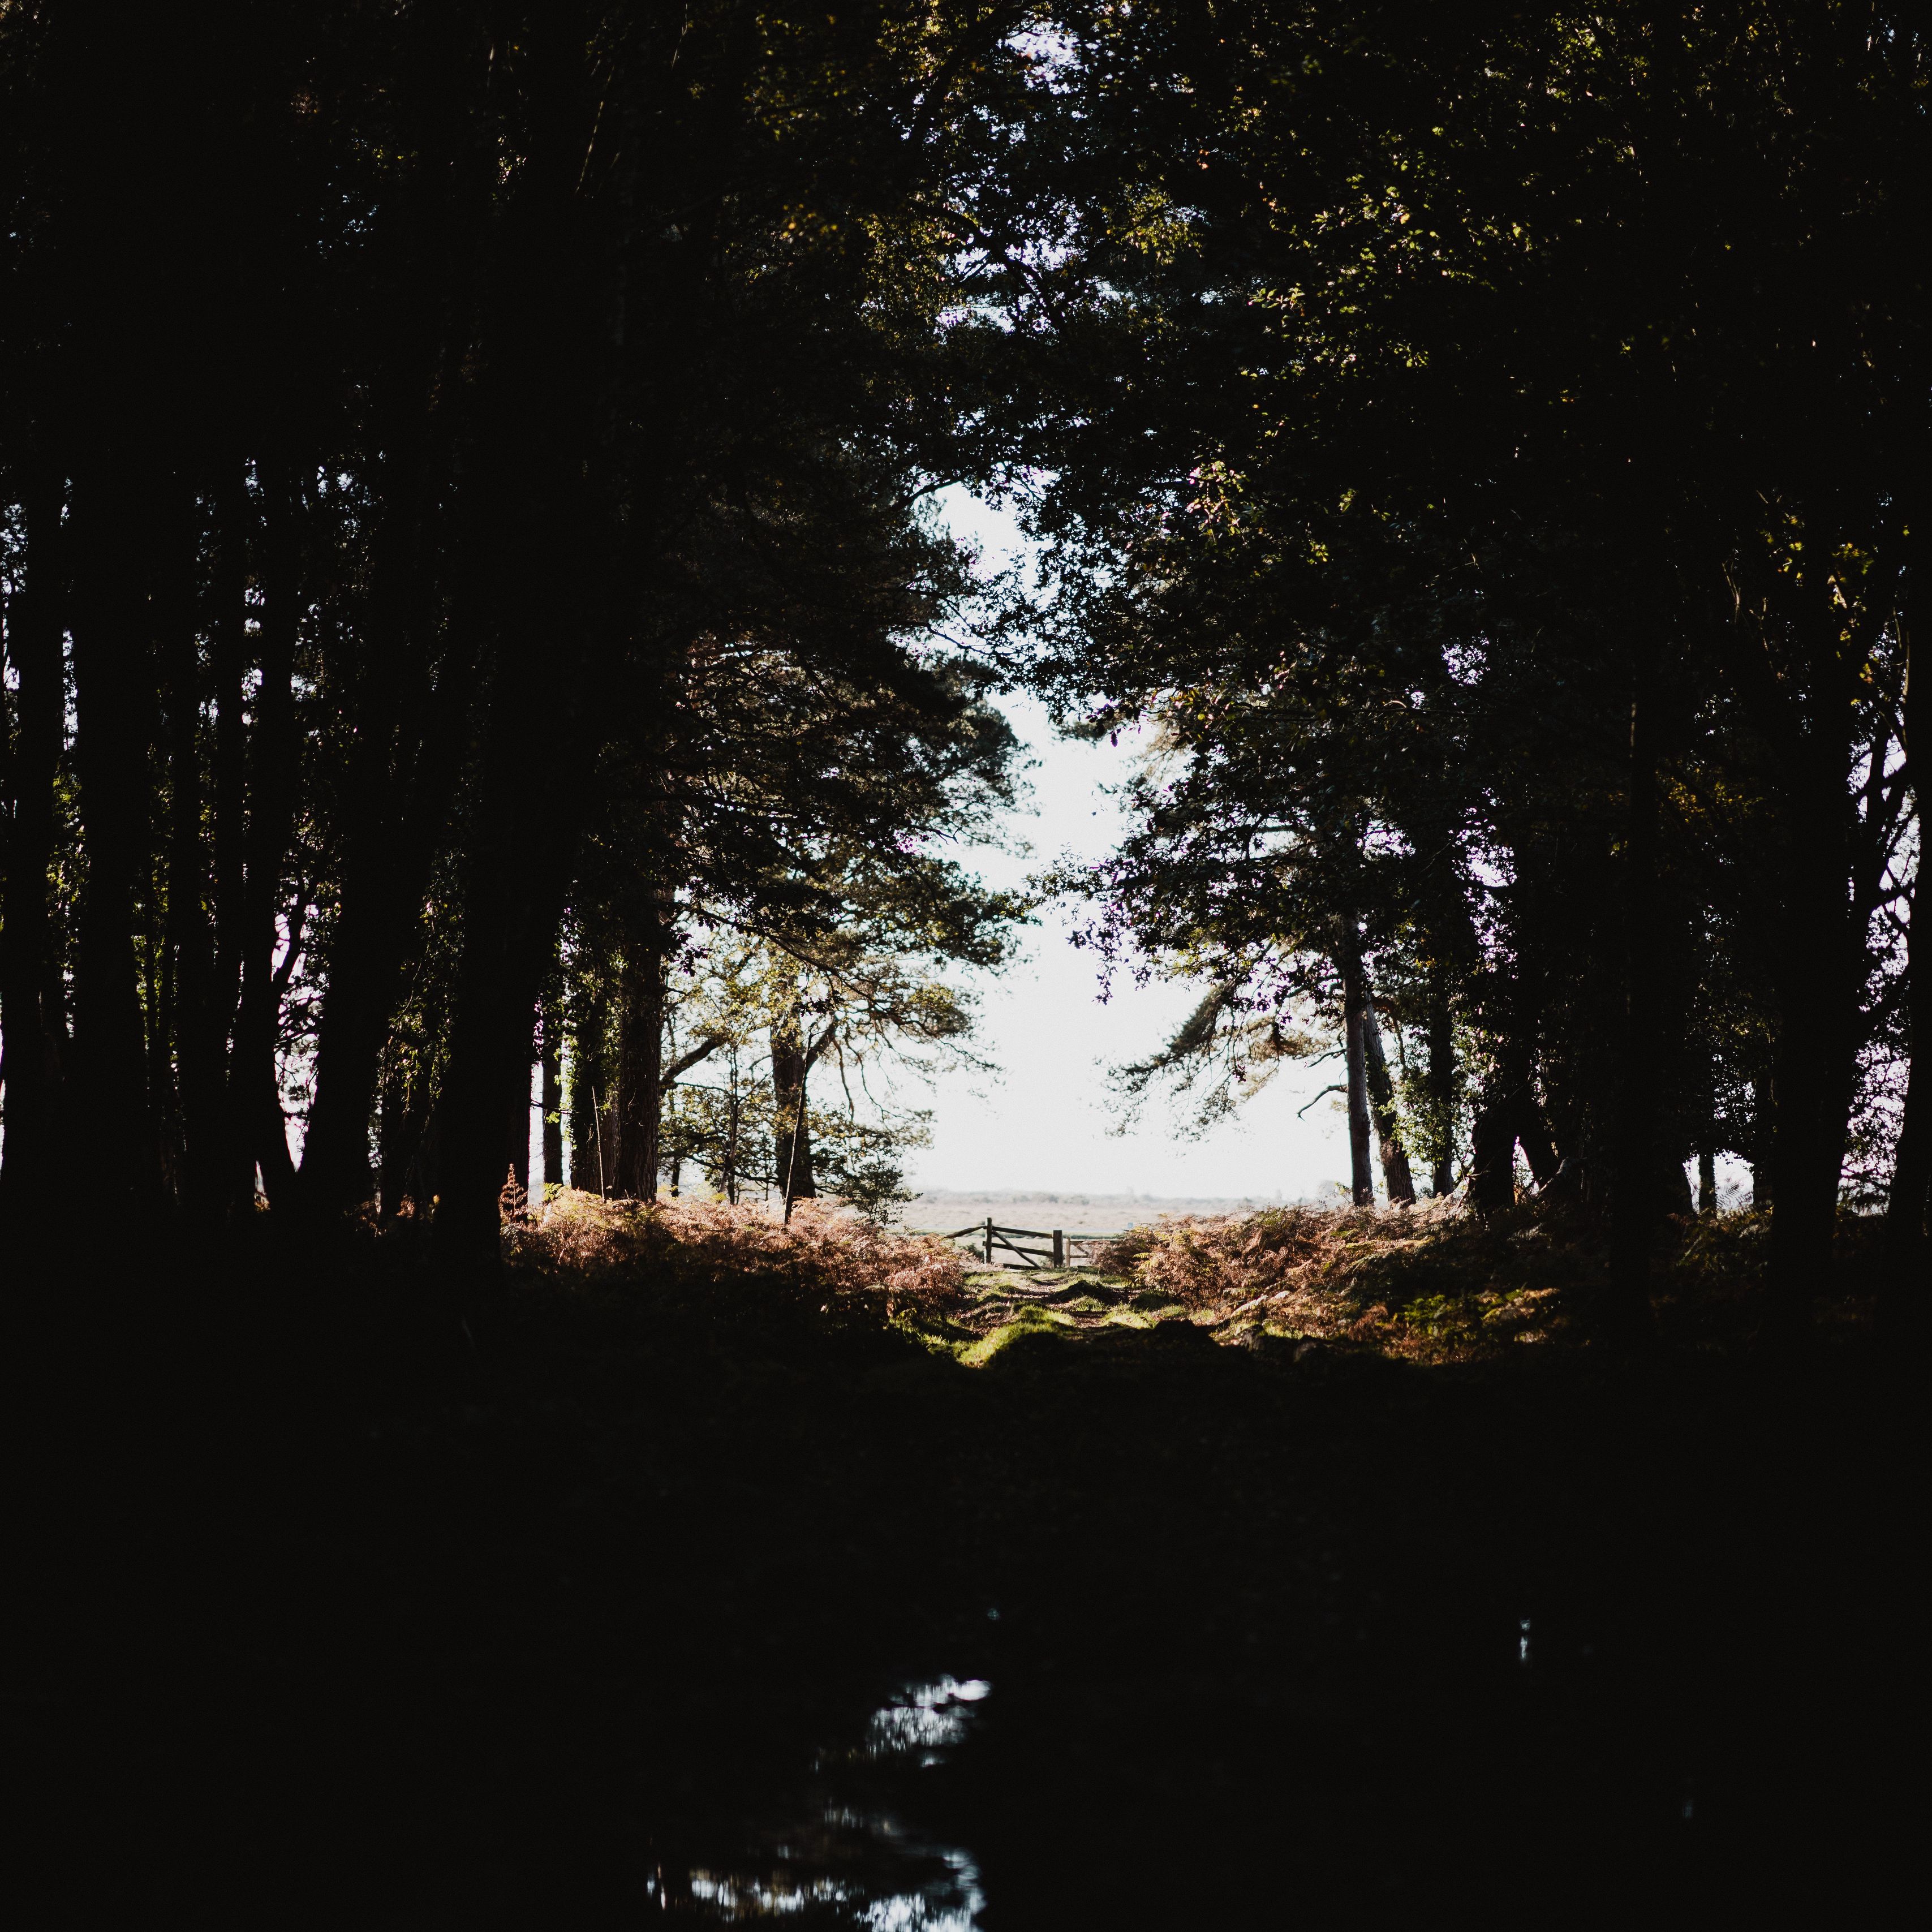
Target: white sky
1047,1122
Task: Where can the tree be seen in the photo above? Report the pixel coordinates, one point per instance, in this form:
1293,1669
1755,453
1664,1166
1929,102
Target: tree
1517,458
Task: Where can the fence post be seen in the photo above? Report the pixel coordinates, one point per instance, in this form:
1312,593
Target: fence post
989,1240
1059,1250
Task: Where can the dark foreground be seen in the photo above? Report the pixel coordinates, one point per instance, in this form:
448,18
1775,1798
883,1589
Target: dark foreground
327,1609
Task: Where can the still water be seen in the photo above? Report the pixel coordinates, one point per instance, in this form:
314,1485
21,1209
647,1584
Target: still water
848,1857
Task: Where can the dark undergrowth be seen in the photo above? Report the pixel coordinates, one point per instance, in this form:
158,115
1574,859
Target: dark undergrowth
340,1598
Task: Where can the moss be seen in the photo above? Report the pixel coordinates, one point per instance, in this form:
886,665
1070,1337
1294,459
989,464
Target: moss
1029,1321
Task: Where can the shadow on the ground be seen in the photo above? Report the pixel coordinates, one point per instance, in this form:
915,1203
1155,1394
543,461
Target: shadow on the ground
335,1607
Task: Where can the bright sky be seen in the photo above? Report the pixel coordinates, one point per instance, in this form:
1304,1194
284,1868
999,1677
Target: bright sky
1047,1122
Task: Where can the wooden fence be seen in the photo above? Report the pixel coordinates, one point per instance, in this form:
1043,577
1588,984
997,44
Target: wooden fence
986,1236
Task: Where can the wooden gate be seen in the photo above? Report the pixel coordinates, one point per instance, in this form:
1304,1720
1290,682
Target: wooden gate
987,1236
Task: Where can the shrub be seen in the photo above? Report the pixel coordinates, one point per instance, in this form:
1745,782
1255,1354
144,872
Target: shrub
1426,1280
839,1252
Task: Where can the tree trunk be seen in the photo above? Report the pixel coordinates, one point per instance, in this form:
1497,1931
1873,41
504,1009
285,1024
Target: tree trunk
1904,1299
521,855
1395,1175
1492,1155
1902,1290
589,1078
1442,1087
258,1132
1361,1176
200,1030
413,707
532,792
1904,1303
518,1122
114,693
1820,971
791,1131
386,869
640,1071
552,1093
1634,1204
1760,1141
32,1063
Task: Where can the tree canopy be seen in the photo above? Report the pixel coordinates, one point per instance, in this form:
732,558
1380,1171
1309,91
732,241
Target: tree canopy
464,476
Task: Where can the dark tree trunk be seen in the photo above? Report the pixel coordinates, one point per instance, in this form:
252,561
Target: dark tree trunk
1492,1154
199,1028
1905,1302
589,1078
1761,1112
114,693
413,690
542,509
258,1132
520,860
518,1125
1634,1215
1820,970
791,1151
1442,1086
1903,1294
231,1168
35,1029
553,1093
397,1130
1532,1132
1354,1010
640,1072
1395,1175
386,869
1707,1178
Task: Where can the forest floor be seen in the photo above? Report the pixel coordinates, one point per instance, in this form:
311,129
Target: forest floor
336,1602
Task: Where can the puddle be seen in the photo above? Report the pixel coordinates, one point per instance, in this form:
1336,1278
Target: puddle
849,1858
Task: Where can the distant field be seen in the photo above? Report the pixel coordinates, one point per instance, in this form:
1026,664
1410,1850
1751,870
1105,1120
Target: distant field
945,1208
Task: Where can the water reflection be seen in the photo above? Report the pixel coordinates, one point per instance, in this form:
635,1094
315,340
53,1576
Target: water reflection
849,1859
930,1718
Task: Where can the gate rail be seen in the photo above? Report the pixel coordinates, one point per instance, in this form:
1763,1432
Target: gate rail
987,1235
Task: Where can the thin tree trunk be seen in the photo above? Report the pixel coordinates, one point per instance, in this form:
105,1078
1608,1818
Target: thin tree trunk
791,1148
198,1029
1762,1113
1361,1176
230,1165
552,1093
258,1133
1395,1175
1442,1086
1904,1301
32,1064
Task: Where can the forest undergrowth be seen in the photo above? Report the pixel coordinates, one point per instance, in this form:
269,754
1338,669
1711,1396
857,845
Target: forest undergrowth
1430,1282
